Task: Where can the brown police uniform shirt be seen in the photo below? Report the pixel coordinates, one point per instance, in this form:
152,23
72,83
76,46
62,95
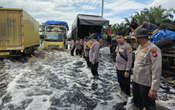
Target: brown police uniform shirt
72,44
86,49
78,45
148,66
94,52
126,51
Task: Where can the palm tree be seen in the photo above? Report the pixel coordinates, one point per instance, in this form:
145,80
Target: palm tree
155,15
163,18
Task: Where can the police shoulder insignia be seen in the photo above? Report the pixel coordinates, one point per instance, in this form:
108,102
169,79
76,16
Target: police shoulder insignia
145,49
142,55
129,49
154,52
95,45
88,44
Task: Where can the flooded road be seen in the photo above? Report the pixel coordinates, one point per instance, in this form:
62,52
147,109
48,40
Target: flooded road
54,80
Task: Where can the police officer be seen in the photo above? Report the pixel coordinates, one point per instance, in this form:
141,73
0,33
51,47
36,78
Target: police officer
78,47
87,46
82,46
72,46
147,72
123,63
94,56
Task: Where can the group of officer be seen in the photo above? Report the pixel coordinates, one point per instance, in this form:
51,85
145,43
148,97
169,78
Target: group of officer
88,48
146,71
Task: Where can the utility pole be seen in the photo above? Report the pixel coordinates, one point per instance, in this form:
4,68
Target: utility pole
102,8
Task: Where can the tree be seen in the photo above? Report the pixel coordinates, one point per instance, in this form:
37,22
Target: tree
164,18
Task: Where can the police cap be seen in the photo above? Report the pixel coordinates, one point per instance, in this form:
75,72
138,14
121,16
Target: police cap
141,32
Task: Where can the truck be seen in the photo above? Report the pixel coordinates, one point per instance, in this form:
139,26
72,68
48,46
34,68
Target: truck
55,34
167,47
19,32
85,24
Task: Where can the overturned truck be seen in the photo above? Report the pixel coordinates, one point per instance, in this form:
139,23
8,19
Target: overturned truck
85,24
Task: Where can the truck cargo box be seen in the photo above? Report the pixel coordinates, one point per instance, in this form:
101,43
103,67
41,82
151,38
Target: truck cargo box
19,32
85,24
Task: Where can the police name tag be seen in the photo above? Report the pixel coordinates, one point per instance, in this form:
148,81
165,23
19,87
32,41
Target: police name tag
121,50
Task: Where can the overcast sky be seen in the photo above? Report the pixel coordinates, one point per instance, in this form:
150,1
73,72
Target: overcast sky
115,10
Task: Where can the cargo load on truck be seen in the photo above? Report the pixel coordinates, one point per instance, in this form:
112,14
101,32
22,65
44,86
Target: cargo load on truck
165,40
19,32
85,24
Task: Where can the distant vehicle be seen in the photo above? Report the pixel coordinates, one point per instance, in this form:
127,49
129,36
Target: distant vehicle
19,32
55,34
85,24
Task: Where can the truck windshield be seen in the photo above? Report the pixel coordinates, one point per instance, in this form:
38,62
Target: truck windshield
55,28
54,36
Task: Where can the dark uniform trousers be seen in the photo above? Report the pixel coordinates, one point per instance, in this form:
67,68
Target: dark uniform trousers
124,82
141,98
87,61
94,69
109,39
78,52
72,52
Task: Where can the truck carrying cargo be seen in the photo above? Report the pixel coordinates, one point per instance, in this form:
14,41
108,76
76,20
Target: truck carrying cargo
55,34
19,32
85,24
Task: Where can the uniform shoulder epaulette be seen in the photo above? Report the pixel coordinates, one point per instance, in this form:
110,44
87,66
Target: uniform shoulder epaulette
154,52
129,49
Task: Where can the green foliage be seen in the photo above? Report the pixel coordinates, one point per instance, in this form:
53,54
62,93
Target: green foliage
164,18
42,27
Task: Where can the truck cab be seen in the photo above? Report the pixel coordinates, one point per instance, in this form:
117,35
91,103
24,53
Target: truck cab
55,34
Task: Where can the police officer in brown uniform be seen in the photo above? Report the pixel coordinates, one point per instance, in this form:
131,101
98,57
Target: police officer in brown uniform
78,47
86,52
123,63
72,46
94,56
147,72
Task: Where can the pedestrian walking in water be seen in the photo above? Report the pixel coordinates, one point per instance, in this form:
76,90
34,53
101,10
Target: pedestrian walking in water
94,56
147,72
123,63
72,47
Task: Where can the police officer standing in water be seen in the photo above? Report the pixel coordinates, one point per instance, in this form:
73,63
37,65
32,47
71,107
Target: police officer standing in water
72,46
94,55
87,46
147,72
123,63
